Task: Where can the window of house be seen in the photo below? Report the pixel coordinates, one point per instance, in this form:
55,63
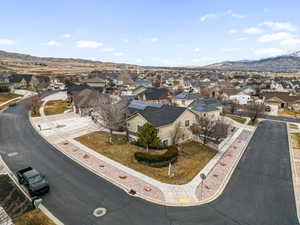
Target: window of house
187,123
183,102
183,136
128,124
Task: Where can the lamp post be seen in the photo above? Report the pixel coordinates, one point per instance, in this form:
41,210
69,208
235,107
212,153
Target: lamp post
203,177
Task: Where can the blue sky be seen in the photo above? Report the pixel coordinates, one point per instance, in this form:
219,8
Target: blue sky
165,32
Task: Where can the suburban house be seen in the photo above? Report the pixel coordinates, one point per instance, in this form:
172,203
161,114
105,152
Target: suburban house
241,99
161,95
4,84
74,89
20,80
164,117
184,99
94,82
86,100
207,107
281,100
237,95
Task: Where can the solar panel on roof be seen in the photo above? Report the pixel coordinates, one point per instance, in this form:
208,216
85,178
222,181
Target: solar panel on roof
136,104
200,108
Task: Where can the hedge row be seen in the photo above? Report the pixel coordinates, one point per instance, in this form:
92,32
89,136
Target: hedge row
169,156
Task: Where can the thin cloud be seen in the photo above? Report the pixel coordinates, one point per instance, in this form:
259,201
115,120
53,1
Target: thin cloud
118,54
232,31
88,44
152,39
108,49
52,43
228,13
277,26
269,52
7,42
67,35
275,37
290,42
197,50
242,39
230,49
253,30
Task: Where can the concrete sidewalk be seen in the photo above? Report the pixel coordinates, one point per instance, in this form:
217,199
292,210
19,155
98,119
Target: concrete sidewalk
295,165
217,171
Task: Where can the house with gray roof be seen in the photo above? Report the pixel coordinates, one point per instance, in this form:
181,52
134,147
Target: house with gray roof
184,99
165,118
210,107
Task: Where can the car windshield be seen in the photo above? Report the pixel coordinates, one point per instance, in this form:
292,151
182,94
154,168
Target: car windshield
35,179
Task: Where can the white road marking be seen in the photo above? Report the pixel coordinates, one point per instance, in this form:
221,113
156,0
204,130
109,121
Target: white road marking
12,154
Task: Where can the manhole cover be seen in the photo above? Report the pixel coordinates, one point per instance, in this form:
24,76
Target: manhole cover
99,212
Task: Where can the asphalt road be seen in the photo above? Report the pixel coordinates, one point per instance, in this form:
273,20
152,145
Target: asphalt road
260,191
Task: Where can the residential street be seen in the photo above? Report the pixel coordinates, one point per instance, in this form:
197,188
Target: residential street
260,191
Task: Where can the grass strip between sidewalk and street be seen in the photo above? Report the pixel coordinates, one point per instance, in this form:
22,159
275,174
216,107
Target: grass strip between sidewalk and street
236,118
192,157
296,140
4,97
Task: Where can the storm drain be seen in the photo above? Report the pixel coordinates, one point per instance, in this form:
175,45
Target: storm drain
99,212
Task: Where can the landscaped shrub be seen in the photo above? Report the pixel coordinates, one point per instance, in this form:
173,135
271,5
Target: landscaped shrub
158,160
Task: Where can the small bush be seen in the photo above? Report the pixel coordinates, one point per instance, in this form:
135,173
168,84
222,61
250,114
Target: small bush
169,156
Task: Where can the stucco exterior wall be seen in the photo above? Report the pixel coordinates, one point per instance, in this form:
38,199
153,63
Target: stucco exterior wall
165,132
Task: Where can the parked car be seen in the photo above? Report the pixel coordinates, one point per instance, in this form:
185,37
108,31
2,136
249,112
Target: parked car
34,181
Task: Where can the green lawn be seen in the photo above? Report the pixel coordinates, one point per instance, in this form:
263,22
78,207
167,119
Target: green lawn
192,157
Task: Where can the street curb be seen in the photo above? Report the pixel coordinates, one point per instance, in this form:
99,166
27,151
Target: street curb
296,193
229,175
41,206
123,187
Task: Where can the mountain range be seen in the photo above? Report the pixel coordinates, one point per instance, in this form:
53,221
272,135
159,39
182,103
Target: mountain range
25,63
282,63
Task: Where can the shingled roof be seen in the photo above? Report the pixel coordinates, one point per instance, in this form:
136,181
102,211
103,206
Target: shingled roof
159,116
16,78
155,93
284,96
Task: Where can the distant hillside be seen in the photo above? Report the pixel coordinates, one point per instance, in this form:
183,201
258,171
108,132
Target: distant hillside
283,63
23,63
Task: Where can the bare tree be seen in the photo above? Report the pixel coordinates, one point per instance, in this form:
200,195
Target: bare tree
176,133
254,110
233,106
112,116
221,129
204,128
208,128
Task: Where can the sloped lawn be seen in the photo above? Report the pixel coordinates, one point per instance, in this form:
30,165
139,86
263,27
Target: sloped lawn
192,157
